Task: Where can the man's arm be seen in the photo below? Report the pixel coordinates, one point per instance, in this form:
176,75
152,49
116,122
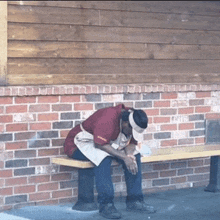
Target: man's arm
130,149
130,160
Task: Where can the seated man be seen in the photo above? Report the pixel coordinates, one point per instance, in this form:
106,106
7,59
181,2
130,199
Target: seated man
110,133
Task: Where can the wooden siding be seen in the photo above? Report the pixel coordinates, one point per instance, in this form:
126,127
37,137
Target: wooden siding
83,42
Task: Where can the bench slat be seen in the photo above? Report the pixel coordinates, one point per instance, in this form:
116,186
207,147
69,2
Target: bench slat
157,154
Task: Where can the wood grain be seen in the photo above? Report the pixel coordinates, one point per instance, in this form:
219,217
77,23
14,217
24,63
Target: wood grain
189,7
111,66
150,78
56,15
163,154
17,31
111,50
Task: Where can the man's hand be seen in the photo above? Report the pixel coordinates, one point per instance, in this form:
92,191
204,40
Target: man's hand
130,160
130,149
131,164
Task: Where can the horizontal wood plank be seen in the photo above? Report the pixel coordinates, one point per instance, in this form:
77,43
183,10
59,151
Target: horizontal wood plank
56,15
33,49
111,66
48,15
158,154
186,7
18,31
159,20
62,78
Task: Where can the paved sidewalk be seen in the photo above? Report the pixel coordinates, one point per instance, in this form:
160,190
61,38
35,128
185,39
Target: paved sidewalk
183,204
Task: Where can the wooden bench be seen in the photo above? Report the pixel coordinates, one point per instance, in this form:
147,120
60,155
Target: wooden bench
85,184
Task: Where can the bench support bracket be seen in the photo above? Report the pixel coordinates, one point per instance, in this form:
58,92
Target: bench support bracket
86,200
214,180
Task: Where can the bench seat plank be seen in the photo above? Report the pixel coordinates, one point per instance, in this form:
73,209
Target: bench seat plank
157,154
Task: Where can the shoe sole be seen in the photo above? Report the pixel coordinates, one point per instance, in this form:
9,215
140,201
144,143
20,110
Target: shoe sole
113,217
142,211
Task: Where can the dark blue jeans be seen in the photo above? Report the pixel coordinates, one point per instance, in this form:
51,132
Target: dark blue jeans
103,180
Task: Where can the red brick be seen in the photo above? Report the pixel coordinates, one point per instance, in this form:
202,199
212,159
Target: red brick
203,94
48,99
16,109
64,133
195,163
48,152
6,100
152,112
39,179
202,109
6,118
16,181
48,117
2,183
171,95
17,127
19,100
61,176
1,109
148,136
40,126
161,166
186,110
161,103
24,135
186,141
62,107
39,161
202,169
181,164
62,194
168,173
200,140
207,161
1,164
24,189
1,128
161,119
199,177
39,196
48,186
73,98
5,173
168,127
39,108
186,126
196,102
82,107
16,145
212,115
168,111
176,180
6,191
168,143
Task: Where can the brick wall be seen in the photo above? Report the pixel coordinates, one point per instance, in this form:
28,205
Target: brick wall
35,121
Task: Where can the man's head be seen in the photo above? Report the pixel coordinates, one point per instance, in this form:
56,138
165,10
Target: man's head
135,121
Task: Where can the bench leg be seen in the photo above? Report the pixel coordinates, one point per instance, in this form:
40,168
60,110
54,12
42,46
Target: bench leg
85,191
214,181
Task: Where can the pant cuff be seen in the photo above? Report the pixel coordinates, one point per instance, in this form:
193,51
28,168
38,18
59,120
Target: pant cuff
134,198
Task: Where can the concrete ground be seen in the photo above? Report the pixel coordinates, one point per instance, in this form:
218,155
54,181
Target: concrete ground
183,204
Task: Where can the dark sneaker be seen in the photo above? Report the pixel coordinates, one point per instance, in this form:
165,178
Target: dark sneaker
82,206
109,211
140,206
